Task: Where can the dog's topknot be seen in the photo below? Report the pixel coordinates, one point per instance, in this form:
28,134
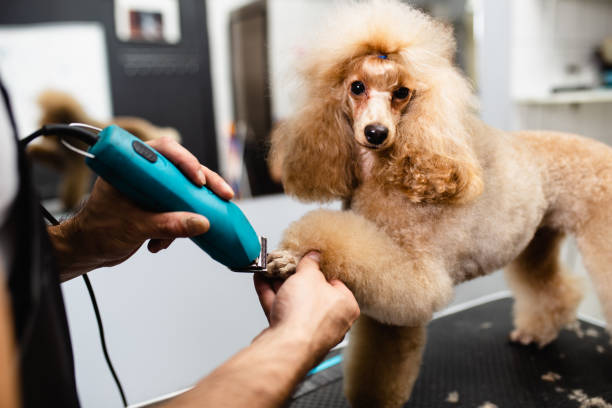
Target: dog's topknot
378,27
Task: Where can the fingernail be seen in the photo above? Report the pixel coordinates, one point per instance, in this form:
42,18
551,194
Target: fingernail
196,225
202,177
227,188
314,255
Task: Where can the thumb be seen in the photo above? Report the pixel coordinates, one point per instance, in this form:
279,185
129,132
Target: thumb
315,256
309,267
309,263
176,224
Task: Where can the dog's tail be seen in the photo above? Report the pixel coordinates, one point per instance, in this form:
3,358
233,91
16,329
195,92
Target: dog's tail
61,107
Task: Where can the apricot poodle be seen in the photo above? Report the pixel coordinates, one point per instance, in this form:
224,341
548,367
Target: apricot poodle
432,195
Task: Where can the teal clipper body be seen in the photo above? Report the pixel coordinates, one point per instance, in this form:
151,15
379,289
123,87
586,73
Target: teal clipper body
152,181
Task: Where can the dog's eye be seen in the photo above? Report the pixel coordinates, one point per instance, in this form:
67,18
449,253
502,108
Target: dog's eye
357,87
401,93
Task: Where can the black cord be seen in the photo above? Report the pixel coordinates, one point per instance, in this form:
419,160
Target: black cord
62,130
94,303
102,338
90,139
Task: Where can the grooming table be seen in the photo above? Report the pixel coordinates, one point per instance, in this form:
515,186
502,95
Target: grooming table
469,355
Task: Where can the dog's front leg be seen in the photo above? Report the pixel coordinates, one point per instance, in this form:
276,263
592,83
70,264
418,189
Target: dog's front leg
381,363
393,285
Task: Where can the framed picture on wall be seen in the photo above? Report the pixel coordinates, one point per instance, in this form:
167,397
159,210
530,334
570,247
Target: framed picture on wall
148,21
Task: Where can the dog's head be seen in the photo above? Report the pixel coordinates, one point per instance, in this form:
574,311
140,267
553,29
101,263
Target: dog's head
382,82
378,91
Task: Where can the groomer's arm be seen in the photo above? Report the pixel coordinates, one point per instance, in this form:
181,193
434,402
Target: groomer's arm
109,228
9,396
307,315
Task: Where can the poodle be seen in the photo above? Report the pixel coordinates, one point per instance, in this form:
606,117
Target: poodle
60,107
432,196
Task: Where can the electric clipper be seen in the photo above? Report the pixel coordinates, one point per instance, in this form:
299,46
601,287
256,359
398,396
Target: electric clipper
153,182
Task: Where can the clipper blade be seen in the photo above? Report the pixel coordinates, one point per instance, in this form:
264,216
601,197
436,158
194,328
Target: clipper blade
260,263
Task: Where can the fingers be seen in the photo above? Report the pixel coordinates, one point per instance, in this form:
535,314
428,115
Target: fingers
191,167
309,265
265,293
156,245
314,256
340,286
349,298
182,158
216,183
174,225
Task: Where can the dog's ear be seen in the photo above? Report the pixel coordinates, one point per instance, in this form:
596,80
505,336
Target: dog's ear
433,160
313,152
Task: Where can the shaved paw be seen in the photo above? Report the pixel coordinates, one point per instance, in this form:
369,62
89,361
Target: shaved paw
281,264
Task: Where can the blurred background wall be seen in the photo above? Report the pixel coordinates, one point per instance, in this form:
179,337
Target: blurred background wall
220,72
165,82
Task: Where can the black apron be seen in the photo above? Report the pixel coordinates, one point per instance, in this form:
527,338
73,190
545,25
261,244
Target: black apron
46,366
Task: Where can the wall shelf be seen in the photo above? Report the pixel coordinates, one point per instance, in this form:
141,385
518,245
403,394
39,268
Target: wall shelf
600,95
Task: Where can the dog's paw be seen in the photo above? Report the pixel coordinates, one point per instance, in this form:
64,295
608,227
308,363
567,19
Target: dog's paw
524,337
281,264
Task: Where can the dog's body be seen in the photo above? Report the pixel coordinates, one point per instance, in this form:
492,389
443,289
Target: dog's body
434,197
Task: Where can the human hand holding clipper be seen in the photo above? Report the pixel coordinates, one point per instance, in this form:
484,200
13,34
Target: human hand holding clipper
126,226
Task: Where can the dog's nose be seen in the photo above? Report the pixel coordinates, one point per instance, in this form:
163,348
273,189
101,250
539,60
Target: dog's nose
376,134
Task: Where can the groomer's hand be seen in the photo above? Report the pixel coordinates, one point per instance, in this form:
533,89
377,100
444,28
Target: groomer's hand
110,228
308,306
308,315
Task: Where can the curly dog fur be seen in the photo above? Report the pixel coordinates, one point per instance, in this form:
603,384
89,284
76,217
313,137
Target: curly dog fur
444,198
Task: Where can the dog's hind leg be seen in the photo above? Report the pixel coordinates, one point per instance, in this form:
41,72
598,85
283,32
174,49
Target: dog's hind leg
595,243
546,296
381,363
